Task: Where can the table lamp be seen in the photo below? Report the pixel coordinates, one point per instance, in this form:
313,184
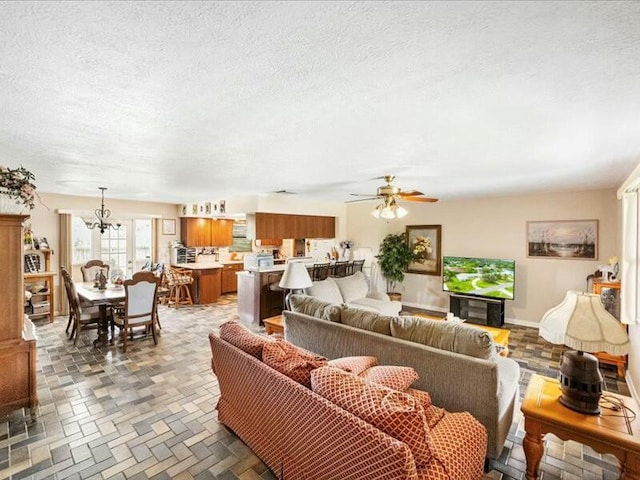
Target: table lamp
582,323
295,277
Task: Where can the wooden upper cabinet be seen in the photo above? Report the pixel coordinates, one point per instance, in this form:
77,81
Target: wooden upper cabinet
221,233
196,232
279,225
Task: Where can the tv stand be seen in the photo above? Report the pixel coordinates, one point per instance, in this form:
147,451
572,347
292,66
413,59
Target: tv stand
481,311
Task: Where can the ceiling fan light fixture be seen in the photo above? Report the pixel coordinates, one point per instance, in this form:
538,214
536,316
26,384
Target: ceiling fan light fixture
376,211
401,212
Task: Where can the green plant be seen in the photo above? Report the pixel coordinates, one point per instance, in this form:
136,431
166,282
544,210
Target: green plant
18,184
394,258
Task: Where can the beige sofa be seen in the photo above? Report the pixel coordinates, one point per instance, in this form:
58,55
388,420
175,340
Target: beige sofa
353,291
456,364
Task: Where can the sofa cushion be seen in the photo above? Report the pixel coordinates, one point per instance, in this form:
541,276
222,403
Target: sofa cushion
315,307
366,320
352,287
355,365
325,290
395,413
444,335
241,337
296,363
385,307
392,376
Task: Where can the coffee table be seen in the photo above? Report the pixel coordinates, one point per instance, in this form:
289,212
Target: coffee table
613,431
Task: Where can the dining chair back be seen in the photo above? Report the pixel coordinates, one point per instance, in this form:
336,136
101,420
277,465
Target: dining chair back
320,271
139,306
358,266
91,268
340,269
80,319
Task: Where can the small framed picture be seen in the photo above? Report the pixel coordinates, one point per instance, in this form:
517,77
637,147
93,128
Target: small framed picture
207,208
168,226
223,206
425,244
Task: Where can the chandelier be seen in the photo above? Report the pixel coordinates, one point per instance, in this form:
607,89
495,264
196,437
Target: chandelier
389,209
102,215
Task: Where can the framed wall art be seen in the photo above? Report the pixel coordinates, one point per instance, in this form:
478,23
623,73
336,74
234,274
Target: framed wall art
563,239
168,226
425,243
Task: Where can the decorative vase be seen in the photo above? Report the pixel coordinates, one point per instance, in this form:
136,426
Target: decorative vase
10,205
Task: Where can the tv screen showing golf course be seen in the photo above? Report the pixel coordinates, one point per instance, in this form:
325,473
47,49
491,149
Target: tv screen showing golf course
482,277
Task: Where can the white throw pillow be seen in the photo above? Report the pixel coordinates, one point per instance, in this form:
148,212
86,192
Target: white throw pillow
325,290
353,287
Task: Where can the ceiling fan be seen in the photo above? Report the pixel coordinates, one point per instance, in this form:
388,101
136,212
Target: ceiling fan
390,194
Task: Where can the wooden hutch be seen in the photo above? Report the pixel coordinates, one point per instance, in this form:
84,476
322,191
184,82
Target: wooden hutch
17,337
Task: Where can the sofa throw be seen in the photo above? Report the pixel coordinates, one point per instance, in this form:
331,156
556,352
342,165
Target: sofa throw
393,376
325,290
314,307
395,413
352,287
444,335
366,320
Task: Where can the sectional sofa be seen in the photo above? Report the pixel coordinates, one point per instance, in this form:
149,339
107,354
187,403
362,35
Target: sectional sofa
456,364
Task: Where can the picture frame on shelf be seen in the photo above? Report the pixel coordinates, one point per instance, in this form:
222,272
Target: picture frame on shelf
563,239
168,226
425,242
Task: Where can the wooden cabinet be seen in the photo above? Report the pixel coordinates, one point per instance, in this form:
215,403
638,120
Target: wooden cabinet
610,294
206,232
229,277
280,225
221,233
41,284
17,341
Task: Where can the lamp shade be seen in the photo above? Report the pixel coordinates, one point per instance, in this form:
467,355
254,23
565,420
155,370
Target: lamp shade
582,323
295,277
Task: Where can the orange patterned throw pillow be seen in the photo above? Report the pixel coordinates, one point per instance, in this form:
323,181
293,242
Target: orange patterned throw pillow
392,376
241,337
397,414
356,365
296,363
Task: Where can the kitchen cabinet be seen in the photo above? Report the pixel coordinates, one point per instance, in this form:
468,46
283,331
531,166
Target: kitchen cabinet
196,232
280,225
221,233
229,277
17,338
206,232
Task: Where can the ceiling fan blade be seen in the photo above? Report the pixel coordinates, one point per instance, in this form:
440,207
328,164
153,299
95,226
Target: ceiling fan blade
363,195
410,193
362,199
419,199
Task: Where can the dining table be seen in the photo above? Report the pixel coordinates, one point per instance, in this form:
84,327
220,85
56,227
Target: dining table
102,298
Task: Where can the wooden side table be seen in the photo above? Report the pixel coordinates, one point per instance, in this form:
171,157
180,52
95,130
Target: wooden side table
273,325
613,431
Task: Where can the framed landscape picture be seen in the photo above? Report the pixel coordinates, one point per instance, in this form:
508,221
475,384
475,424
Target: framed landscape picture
425,243
563,239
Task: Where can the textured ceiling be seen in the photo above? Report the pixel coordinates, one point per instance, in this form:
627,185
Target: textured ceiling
188,101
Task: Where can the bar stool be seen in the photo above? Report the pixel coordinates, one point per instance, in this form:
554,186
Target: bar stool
178,281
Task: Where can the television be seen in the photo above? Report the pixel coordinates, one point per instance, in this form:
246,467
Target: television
480,277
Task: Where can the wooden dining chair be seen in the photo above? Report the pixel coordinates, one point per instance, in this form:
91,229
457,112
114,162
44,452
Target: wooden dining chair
139,307
91,268
78,317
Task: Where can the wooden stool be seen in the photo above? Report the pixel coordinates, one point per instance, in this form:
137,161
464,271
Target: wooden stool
178,280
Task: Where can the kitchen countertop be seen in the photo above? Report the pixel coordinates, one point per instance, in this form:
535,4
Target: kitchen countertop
199,266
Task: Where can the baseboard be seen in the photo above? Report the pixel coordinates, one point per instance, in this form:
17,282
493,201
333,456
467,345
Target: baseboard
511,321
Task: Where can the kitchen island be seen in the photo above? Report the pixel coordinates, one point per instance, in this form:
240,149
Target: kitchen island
207,281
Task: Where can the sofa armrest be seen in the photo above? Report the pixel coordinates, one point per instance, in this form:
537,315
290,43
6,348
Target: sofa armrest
379,296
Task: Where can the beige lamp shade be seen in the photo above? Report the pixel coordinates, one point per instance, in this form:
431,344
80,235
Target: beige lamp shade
295,277
582,323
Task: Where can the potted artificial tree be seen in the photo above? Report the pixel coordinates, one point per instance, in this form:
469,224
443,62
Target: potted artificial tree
394,258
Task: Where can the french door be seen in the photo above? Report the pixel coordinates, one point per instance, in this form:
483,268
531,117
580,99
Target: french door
126,250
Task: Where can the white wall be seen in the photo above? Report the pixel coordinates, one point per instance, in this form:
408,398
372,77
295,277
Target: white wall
496,228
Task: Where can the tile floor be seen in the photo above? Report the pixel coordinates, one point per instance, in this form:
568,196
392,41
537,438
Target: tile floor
149,413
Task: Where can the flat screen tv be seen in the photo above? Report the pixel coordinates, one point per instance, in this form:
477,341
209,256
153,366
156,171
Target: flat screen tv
480,277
